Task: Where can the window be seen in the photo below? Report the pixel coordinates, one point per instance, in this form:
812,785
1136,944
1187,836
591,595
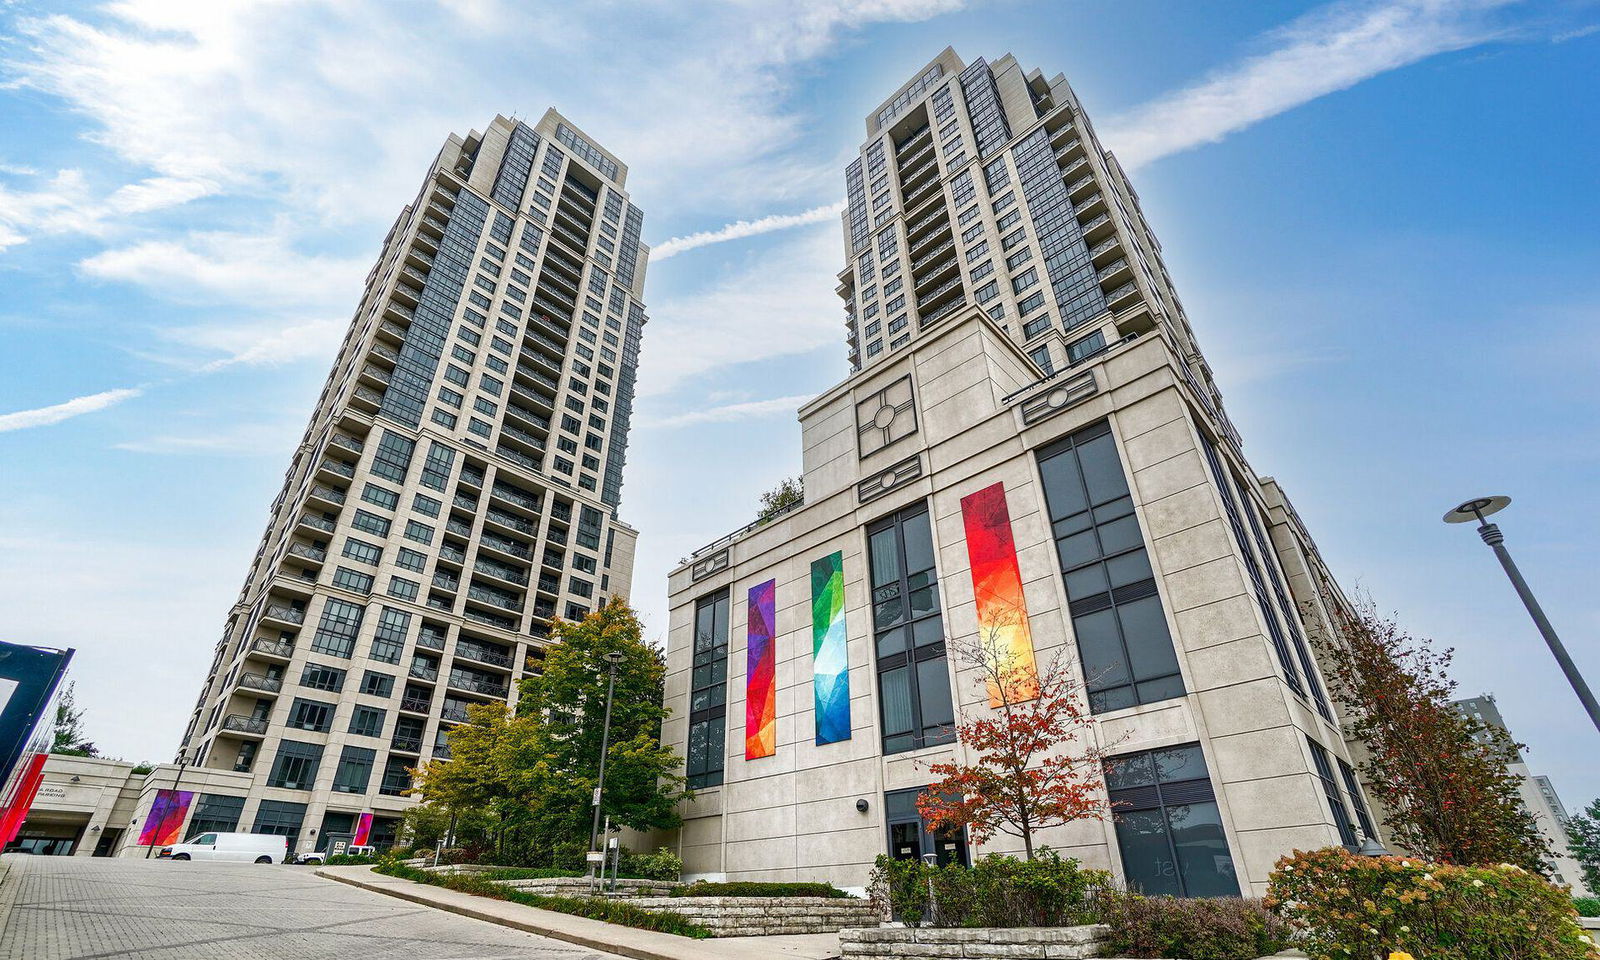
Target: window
436,469
403,588
1019,258
409,559
444,419
426,505
1041,356
491,385
375,684
336,632
1036,326
393,456
908,633
362,551
708,694
1081,350
282,818
418,531
988,291
389,640
215,812
319,677
353,580
1116,614
485,406
1330,790
1168,828
1025,279
462,353
1352,787
452,397
367,721
396,780
354,771
387,499
479,427
313,715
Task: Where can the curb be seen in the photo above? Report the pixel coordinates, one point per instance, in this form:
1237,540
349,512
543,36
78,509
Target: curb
527,926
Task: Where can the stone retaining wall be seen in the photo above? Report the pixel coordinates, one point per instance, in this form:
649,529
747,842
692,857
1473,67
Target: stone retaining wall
579,887
1021,943
767,916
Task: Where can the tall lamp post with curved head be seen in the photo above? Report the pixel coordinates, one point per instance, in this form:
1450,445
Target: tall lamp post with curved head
613,659
1477,510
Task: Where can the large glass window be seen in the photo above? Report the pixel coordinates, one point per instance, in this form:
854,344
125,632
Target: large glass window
1168,827
1363,817
393,456
295,767
313,715
355,769
280,818
1330,790
215,812
336,632
908,633
1121,629
708,692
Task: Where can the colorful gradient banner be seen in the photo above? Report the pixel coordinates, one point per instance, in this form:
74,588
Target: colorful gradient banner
831,673
761,677
997,590
363,830
164,825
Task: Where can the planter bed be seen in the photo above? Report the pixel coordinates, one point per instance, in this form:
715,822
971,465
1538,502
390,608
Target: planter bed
579,887
980,943
766,916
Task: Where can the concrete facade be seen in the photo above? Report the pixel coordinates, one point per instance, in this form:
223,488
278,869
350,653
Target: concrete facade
457,488
985,401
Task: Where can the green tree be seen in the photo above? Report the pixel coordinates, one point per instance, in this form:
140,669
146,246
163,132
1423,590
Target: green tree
564,706
790,492
478,781
1583,837
68,737
1444,777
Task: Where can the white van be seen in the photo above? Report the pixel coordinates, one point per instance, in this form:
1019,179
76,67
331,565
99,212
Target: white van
234,847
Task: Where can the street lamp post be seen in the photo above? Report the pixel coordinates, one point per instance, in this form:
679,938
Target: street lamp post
1482,507
612,659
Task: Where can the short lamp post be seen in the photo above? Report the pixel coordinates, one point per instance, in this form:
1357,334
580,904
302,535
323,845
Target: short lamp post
1477,510
613,659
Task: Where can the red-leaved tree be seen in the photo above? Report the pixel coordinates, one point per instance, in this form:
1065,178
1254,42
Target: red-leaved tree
1035,763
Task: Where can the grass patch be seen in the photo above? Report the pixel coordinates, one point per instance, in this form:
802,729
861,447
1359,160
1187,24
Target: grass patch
703,888
611,911
1587,906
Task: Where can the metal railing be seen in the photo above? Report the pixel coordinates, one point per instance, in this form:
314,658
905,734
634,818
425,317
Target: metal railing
256,681
234,723
272,648
319,523
337,466
278,611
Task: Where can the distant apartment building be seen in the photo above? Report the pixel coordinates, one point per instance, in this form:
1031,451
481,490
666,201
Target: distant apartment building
1538,797
456,489
1029,443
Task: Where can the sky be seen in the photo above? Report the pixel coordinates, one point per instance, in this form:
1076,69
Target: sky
1379,214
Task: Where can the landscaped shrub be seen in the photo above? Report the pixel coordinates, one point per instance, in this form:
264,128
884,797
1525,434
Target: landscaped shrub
1352,908
1212,928
527,873
702,888
1587,906
350,860
997,891
611,911
661,865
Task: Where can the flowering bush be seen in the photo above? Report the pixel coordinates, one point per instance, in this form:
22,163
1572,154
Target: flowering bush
1350,907
1211,928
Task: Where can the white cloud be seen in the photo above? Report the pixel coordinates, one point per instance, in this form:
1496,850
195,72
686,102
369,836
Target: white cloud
247,439
76,407
1576,34
67,204
730,413
261,270
1328,50
779,305
745,228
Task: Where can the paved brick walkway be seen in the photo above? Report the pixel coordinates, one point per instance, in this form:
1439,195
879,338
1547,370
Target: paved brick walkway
76,908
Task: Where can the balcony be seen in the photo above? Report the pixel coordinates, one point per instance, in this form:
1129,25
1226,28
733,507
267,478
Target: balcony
386,353
527,416
939,314
939,291
1094,226
327,494
337,467
549,584
495,598
306,551
483,655
511,547
374,372
1122,296
248,726
366,396
479,686
504,519
1098,201
430,641
446,581
415,704
1119,268
511,495
501,572
452,714
317,523
1078,185
459,528
283,614
465,502
400,310
1105,246
917,225
518,458
256,681
420,672
452,554
508,432
932,254
406,744
273,649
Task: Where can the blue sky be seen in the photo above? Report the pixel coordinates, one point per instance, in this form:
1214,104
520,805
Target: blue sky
1380,215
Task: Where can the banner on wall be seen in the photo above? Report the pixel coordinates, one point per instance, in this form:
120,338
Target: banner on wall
997,593
163,825
761,677
831,670
363,830
29,680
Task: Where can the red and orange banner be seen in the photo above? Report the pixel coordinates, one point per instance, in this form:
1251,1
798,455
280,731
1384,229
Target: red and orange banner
1003,631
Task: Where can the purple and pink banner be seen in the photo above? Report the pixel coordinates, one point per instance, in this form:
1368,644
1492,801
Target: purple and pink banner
363,830
761,677
164,825
997,591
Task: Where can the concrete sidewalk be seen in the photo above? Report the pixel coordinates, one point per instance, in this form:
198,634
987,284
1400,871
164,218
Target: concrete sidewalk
595,934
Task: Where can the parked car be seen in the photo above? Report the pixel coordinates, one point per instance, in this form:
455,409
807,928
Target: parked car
234,847
320,856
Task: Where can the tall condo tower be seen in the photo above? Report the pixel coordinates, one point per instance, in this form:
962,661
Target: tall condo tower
457,488
1029,452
